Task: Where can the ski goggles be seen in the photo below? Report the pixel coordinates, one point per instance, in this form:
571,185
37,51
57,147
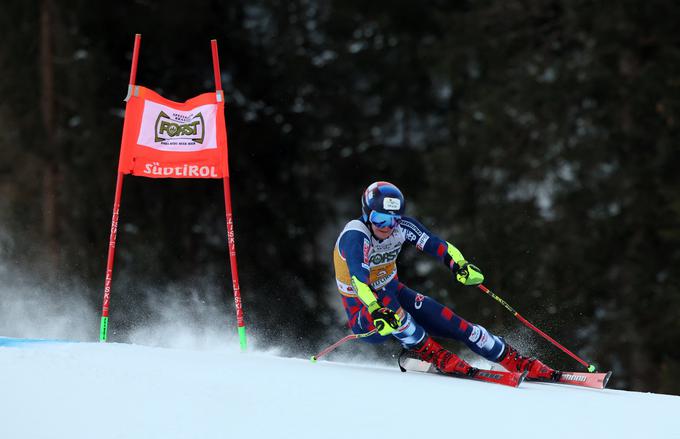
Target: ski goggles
382,220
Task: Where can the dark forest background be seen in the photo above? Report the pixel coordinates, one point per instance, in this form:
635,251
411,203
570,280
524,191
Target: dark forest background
541,137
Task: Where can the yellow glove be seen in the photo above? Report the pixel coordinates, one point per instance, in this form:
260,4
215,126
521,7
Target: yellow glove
469,274
466,273
385,320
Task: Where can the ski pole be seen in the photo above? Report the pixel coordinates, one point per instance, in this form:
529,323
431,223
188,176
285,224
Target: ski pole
590,367
340,342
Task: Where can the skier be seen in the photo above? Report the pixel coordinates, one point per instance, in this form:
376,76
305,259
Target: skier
365,257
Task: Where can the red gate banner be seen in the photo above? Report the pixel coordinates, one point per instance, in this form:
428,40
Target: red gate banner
166,139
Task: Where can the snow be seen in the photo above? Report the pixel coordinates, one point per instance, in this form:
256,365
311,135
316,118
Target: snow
112,390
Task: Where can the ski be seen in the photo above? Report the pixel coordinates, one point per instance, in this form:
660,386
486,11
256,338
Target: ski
583,379
512,379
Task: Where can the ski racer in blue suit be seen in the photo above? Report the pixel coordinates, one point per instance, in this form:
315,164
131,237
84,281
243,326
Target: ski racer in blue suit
365,256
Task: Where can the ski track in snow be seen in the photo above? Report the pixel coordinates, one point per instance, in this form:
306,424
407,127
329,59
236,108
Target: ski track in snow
93,390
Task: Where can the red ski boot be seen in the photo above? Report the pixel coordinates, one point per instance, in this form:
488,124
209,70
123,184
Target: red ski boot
514,362
445,361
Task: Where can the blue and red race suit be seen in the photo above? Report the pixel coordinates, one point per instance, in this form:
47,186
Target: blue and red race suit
361,255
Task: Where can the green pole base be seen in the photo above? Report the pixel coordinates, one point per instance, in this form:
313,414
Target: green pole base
103,329
592,368
242,338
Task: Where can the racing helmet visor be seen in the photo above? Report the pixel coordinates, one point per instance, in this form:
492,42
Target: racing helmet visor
382,220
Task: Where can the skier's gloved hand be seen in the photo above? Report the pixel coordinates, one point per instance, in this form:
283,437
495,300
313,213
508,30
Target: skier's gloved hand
466,273
469,274
385,320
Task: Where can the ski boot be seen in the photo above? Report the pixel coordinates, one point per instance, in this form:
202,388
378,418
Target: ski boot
446,362
514,362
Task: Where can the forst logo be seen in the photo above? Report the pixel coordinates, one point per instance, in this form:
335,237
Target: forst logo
382,258
179,128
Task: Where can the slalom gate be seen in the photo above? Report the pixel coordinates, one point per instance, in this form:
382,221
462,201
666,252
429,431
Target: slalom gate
166,139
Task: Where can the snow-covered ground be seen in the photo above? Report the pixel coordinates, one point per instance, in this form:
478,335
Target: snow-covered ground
92,390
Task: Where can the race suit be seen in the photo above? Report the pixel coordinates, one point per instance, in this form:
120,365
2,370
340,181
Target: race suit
361,255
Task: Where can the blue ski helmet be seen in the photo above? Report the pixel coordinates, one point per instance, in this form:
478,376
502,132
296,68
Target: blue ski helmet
382,204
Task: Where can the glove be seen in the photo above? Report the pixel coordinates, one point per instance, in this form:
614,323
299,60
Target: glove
385,320
468,274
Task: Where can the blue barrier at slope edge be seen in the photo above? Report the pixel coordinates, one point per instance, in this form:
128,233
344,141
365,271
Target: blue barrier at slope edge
8,342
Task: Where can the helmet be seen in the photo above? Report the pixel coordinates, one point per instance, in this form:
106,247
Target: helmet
382,204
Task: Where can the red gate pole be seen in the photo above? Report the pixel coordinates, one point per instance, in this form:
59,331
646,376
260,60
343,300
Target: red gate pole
216,65
234,270
230,218
104,324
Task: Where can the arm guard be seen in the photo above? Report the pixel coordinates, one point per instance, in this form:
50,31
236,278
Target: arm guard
365,294
453,257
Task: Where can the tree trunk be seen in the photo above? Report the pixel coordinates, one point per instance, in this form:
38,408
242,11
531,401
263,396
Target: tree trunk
50,167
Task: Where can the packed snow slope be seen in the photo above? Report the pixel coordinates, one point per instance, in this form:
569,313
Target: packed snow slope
92,390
